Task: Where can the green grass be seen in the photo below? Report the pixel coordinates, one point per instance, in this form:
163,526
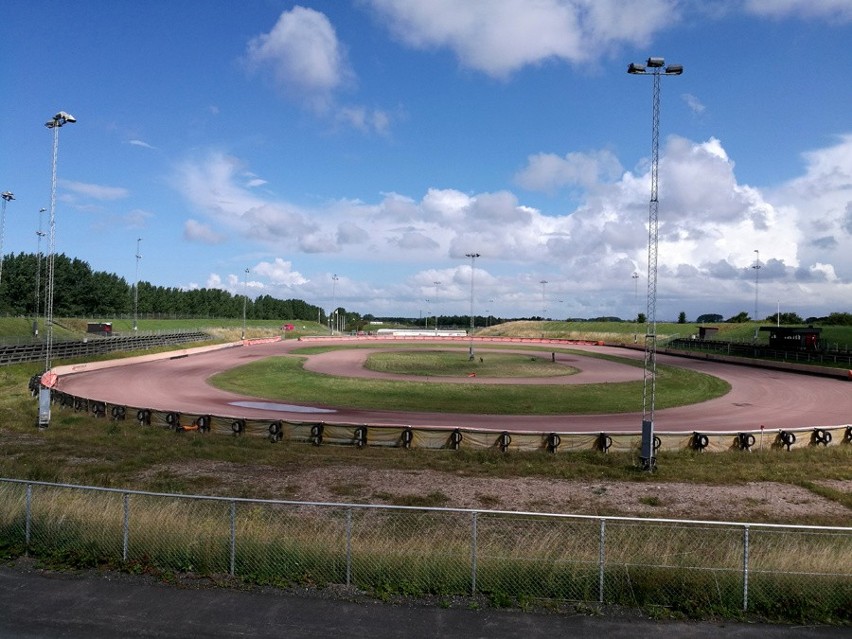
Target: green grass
458,364
283,379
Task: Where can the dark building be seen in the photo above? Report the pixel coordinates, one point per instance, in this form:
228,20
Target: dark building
788,338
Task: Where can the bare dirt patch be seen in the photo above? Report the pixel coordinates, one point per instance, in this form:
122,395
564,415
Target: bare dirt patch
765,501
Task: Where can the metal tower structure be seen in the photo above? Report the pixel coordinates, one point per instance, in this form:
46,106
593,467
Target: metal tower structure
656,68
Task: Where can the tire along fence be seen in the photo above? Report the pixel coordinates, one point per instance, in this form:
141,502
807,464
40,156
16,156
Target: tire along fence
402,436
797,573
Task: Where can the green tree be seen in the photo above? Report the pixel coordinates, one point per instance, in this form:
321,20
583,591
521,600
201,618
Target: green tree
739,318
681,318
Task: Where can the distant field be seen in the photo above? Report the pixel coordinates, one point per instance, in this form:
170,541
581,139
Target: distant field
18,328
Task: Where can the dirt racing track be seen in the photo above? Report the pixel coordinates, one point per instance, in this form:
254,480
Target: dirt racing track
172,390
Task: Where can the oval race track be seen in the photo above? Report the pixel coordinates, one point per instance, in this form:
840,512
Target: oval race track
758,397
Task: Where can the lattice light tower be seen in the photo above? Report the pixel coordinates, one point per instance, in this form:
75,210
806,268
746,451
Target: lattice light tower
656,68
472,257
7,196
48,378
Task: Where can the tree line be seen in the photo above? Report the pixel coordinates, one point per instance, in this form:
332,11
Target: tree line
80,291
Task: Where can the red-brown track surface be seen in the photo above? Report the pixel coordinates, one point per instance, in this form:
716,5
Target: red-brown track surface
758,396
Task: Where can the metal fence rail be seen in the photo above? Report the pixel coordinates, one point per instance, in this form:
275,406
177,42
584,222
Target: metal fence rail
834,357
33,352
800,572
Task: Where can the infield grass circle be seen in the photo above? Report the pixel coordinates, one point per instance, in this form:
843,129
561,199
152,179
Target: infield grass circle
437,363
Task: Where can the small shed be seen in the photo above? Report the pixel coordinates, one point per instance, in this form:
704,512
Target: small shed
99,328
707,332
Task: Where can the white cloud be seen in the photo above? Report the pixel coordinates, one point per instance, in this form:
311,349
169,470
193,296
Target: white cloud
829,10
364,119
499,37
95,191
548,172
279,272
302,52
309,66
710,225
137,218
140,143
195,231
693,103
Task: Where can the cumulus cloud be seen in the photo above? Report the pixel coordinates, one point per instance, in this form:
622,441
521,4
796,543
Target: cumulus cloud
547,171
307,63
501,36
279,272
821,202
303,55
710,224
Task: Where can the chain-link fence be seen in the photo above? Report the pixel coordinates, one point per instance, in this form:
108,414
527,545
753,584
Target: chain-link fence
697,568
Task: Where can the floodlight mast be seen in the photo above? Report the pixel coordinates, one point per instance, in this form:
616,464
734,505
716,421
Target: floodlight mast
48,378
656,68
472,257
39,235
7,196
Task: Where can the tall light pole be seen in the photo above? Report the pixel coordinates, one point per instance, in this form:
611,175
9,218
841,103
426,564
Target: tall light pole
756,267
656,68
333,317
136,288
472,257
48,379
543,300
437,284
7,196
635,277
245,301
39,235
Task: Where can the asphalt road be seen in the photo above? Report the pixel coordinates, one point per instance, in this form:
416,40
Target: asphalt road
758,397
35,604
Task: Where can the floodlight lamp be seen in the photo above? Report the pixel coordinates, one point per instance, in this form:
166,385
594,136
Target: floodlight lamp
7,195
674,69
636,69
656,62
60,119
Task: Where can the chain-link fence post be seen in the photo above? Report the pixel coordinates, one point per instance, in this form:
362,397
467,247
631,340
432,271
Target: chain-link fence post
233,540
473,554
601,561
348,546
126,528
745,568
28,518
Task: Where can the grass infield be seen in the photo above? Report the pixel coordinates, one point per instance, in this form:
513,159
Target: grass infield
284,379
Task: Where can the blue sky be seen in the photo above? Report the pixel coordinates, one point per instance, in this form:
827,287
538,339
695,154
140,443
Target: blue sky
382,140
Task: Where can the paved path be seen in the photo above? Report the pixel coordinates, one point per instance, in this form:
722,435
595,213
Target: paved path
34,605
759,396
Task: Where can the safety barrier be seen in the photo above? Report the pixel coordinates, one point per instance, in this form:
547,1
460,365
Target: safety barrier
406,436
18,354
697,568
